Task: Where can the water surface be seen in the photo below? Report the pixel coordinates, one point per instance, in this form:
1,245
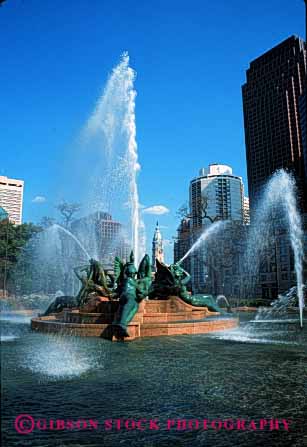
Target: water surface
253,372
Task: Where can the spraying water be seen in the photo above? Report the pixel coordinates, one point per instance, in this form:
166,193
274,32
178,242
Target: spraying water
56,227
279,308
208,233
58,358
279,199
220,298
46,264
113,123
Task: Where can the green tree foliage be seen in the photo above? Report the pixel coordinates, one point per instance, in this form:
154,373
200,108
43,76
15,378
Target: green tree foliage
13,240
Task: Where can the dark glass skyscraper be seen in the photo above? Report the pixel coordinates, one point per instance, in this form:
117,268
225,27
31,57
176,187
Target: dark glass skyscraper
273,131
303,121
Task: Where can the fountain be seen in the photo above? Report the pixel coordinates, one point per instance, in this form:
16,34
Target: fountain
279,199
48,260
207,233
68,233
128,302
110,132
112,126
113,305
281,307
47,263
223,298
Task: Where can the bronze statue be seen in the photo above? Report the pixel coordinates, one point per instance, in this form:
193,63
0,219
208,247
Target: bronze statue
171,281
95,279
60,303
132,287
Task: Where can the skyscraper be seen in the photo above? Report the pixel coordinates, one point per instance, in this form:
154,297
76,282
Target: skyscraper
246,213
216,194
273,132
11,198
102,236
303,121
157,247
274,103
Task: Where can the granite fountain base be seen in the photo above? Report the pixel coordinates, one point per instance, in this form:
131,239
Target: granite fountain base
154,318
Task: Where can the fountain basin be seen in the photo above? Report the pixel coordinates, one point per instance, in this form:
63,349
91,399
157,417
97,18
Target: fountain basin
154,318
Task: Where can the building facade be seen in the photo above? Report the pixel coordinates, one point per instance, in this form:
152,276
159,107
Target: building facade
274,105
157,247
246,211
216,194
277,269
303,123
227,271
273,131
102,236
182,243
11,198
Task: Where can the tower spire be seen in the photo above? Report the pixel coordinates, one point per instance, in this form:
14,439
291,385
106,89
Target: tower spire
157,246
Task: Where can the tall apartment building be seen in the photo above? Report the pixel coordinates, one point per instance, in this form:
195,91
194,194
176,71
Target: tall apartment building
273,131
216,194
227,272
11,198
102,236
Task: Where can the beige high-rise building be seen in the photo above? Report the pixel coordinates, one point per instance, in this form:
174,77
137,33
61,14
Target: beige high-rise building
11,198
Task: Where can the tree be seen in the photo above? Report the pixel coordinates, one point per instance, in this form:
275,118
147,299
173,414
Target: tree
13,239
47,222
183,211
68,210
204,207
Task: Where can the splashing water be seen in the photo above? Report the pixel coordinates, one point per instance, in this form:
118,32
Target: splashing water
5,338
113,123
208,233
246,334
46,265
15,318
280,192
271,325
56,227
59,358
222,298
279,308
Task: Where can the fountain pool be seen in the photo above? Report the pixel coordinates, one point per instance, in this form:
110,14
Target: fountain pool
238,374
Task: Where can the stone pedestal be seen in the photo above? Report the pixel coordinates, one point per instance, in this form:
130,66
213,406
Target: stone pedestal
154,318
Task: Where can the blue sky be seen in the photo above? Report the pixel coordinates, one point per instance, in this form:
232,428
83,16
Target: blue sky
190,59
